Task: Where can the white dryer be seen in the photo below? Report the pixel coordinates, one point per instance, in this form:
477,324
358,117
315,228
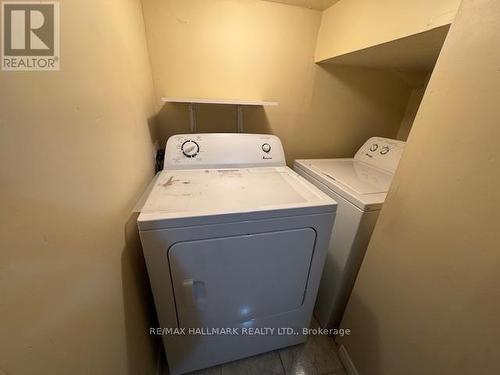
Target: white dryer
359,185
235,243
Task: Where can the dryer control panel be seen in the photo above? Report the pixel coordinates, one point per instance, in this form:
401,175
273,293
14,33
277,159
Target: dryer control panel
383,153
223,150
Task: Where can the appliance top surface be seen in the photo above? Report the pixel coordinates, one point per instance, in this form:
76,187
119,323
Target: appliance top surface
360,184
357,176
192,193
363,180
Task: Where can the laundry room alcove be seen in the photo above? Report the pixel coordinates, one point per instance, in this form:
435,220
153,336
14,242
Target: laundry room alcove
411,59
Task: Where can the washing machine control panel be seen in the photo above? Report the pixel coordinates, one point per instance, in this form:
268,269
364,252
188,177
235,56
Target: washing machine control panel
192,151
381,152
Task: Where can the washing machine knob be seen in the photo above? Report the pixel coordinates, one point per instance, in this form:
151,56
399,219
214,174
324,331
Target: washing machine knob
384,150
374,147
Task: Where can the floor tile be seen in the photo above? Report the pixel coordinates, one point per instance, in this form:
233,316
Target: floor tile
264,364
216,370
318,356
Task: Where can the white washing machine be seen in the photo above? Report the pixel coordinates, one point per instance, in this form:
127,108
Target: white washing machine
235,243
359,185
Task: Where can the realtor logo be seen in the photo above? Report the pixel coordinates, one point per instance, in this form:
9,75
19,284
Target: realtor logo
30,35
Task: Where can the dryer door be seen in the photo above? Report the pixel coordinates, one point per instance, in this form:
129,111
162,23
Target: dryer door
225,281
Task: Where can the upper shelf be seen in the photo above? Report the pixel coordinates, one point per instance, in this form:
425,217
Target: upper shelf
218,101
415,52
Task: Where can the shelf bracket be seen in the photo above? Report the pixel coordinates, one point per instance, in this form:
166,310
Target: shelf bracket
192,118
240,118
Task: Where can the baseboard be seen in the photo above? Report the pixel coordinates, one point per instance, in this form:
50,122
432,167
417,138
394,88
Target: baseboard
347,361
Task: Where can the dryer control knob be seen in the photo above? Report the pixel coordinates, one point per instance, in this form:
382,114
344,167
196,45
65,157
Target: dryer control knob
190,149
266,147
384,150
374,147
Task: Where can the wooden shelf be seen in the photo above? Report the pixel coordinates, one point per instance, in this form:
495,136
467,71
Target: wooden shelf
218,101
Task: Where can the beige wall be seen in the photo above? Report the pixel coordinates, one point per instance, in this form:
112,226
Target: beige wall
76,153
411,111
412,107
262,50
427,299
351,25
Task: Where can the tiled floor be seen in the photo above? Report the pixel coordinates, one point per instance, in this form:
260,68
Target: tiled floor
318,356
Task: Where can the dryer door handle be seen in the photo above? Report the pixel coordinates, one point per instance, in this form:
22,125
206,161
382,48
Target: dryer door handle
193,292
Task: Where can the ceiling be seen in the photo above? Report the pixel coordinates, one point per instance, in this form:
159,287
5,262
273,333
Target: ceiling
310,4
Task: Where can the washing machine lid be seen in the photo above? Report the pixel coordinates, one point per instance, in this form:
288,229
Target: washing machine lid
358,176
203,196
360,183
